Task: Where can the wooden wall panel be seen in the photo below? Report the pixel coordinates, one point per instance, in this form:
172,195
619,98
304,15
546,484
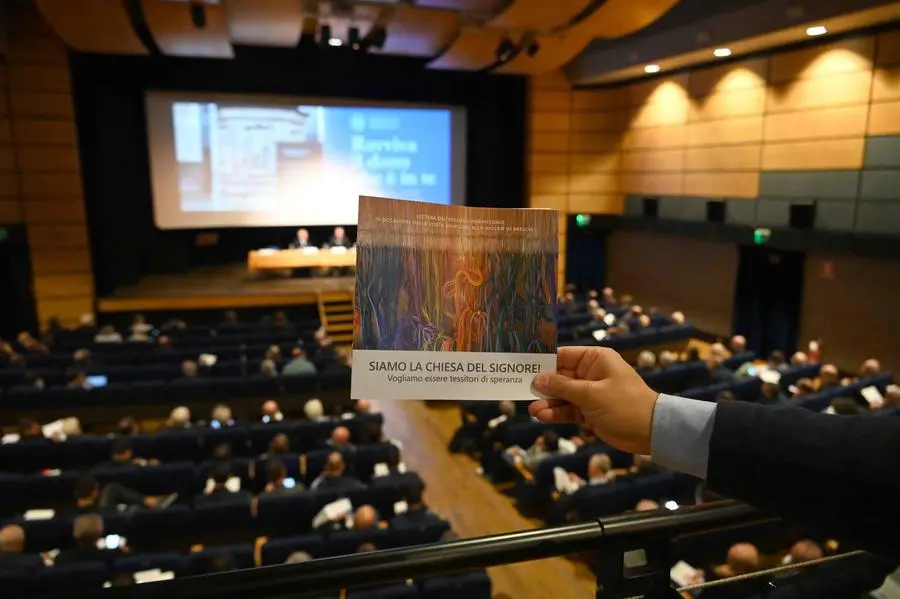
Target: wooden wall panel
827,154
715,185
675,273
44,165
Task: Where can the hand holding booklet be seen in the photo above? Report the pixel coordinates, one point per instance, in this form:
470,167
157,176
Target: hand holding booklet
453,302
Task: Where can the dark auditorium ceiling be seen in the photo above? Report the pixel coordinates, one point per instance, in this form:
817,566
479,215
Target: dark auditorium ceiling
595,41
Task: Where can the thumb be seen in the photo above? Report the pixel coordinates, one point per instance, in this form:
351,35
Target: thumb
557,386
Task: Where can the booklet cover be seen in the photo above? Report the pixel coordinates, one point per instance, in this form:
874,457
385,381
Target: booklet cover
453,302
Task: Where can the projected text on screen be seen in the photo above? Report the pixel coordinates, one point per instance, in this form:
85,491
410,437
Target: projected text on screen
233,163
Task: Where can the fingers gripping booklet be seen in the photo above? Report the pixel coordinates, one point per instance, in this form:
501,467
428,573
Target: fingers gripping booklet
453,302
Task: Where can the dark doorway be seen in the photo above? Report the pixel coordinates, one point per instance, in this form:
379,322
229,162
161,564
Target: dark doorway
767,298
18,312
585,254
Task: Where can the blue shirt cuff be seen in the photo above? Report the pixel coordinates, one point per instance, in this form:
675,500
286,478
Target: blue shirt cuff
681,432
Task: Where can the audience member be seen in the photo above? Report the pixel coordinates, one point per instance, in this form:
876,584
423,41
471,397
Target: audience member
724,396
742,558
365,518
844,406
70,427
333,477
81,358
738,344
179,418
108,334
88,533
642,465
277,479
30,430
315,411
121,454
716,372
12,547
367,547
223,562
802,388
677,318
189,369
229,318
770,390
362,406
270,412
298,557
803,550
666,359
279,445
268,368
544,446
777,362
90,498
128,426
273,353
799,359
691,355
646,362
221,491
163,344
646,505
30,344
869,367
828,377
417,514
299,365
221,417
80,381
340,438
599,471
140,329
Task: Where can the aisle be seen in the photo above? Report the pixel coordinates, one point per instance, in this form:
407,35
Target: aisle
472,504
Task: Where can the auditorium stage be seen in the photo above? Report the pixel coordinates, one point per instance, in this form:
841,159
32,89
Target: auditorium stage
220,287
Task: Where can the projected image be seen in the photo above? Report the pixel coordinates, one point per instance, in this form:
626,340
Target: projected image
242,158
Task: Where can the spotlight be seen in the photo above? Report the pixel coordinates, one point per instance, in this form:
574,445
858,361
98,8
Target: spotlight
816,30
722,52
335,42
651,68
377,37
198,15
325,35
505,50
353,38
532,49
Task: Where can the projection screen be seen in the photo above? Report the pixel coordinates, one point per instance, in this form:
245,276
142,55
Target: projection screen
262,161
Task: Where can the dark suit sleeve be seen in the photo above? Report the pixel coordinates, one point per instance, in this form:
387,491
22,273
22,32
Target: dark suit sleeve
837,474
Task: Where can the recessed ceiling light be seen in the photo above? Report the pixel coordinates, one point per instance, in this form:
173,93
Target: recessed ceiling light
335,42
817,30
721,52
651,68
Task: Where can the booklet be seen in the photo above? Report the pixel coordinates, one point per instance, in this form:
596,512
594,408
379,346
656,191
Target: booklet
453,302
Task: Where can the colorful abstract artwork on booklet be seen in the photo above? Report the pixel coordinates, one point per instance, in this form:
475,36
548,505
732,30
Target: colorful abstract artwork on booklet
453,302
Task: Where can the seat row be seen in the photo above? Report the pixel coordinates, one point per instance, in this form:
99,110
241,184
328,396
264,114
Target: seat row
232,519
179,391
189,444
644,338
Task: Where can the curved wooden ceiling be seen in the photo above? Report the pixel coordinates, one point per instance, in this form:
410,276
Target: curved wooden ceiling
459,34
614,18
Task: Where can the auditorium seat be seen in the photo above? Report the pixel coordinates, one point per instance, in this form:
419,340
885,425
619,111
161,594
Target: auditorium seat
60,579
276,551
343,542
201,562
167,562
285,514
735,361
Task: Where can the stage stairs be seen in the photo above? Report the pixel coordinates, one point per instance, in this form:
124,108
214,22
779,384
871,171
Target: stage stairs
336,314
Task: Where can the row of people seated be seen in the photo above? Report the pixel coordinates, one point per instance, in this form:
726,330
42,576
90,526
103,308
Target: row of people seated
648,337
195,512
34,448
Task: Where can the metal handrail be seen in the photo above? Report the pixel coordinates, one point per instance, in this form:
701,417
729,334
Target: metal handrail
329,575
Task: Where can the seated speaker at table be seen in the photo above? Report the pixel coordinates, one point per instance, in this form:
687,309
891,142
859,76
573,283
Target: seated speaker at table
301,240
339,239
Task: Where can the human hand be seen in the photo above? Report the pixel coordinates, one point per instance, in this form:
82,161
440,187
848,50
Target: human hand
595,386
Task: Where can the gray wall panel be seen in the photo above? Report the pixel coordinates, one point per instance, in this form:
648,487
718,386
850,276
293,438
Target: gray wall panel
835,216
670,207
773,212
740,212
880,185
840,185
882,152
634,205
694,209
878,217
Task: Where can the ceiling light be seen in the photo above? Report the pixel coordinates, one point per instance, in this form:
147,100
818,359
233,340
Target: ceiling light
335,42
651,68
722,52
817,30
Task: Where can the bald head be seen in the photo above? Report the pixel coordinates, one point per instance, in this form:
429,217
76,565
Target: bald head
828,374
743,558
718,350
12,539
805,551
799,359
364,518
340,436
334,464
270,408
646,505
870,367
738,344
599,465
363,406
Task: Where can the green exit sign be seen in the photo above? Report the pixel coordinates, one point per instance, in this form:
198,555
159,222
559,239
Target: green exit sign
761,236
4,234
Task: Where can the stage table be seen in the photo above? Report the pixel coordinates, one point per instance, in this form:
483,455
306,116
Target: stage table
260,260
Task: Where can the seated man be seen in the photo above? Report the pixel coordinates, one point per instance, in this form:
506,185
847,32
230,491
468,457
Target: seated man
90,498
365,518
799,359
340,439
122,455
333,476
12,546
778,362
279,445
179,419
715,371
277,479
828,377
803,550
647,505
544,446
738,344
417,514
271,412
221,417
88,533
299,364
770,390
599,472
646,362
221,491
315,411
742,558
